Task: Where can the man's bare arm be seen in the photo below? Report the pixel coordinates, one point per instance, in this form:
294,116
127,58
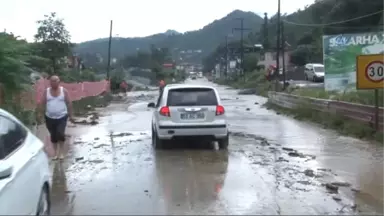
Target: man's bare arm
69,103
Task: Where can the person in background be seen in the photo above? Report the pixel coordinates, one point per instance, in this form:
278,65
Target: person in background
161,85
123,87
57,108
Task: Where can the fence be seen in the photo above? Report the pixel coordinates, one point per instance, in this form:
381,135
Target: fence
357,112
30,98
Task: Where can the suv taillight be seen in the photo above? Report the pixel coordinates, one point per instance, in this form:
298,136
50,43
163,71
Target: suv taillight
219,110
164,111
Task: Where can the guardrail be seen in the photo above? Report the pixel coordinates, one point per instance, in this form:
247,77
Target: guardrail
357,112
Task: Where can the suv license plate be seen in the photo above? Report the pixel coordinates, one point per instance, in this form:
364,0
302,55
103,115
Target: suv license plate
191,116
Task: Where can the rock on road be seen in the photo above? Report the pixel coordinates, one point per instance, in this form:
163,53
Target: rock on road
274,165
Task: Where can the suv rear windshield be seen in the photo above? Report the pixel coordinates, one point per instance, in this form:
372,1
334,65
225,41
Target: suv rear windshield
192,97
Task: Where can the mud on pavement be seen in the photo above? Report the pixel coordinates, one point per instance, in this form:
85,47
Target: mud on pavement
112,169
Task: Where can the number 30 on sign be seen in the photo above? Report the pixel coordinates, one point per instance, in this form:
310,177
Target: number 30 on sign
370,71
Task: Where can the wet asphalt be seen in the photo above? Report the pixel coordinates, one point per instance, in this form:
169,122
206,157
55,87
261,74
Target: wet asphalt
274,165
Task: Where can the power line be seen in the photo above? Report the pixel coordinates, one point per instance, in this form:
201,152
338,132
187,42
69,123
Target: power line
349,27
241,29
333,23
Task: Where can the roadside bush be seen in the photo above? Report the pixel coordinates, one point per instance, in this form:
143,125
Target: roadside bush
253,80
328,120
360,96
87,104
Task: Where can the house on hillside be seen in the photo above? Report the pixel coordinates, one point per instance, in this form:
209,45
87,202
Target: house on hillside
268,57
74,61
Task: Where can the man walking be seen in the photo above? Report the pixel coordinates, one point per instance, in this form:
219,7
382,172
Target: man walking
57,107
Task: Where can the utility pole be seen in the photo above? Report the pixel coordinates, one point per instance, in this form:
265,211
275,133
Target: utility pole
226,56
109,50
283,50
265,32
277,48
241,29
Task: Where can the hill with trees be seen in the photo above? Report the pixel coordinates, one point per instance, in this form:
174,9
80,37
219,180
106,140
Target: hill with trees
200,42
304,29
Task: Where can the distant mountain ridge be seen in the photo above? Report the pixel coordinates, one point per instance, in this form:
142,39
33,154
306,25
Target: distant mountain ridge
205,39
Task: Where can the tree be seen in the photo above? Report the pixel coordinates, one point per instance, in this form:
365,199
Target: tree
53,39
250,62
14,75
264,30
14,70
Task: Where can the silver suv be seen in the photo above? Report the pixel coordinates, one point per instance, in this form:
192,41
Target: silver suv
191,111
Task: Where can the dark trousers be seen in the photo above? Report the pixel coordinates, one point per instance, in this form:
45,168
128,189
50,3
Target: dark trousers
56,128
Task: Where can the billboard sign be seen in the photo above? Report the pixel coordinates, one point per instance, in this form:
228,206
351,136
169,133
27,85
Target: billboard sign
340,52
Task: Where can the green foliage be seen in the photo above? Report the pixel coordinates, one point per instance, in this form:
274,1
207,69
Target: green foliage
206,39
214,57
53,40
251,62
307,40
254,80
14,74
331,121
14,57
365,97
74,75
152,60
116,78
18,59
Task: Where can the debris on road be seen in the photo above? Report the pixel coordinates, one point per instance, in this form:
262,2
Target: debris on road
295,154
96,161
79,158
121,134
124,164
341,184
336,198
324,169
332,188
281,159
99,146
309,172
90,119
288,149
247,91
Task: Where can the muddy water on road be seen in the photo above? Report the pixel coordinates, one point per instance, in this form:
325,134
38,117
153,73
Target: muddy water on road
354,161
112,168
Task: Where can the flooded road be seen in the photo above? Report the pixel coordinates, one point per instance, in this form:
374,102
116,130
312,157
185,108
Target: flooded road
274,165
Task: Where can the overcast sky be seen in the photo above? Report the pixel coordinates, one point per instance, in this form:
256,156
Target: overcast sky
88,20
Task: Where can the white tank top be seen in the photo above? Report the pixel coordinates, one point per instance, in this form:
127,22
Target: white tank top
56,107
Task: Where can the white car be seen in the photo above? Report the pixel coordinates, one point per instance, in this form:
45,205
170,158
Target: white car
314,72
25,179
191,111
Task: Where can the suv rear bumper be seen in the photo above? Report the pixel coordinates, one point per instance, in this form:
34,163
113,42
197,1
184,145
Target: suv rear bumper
171,131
